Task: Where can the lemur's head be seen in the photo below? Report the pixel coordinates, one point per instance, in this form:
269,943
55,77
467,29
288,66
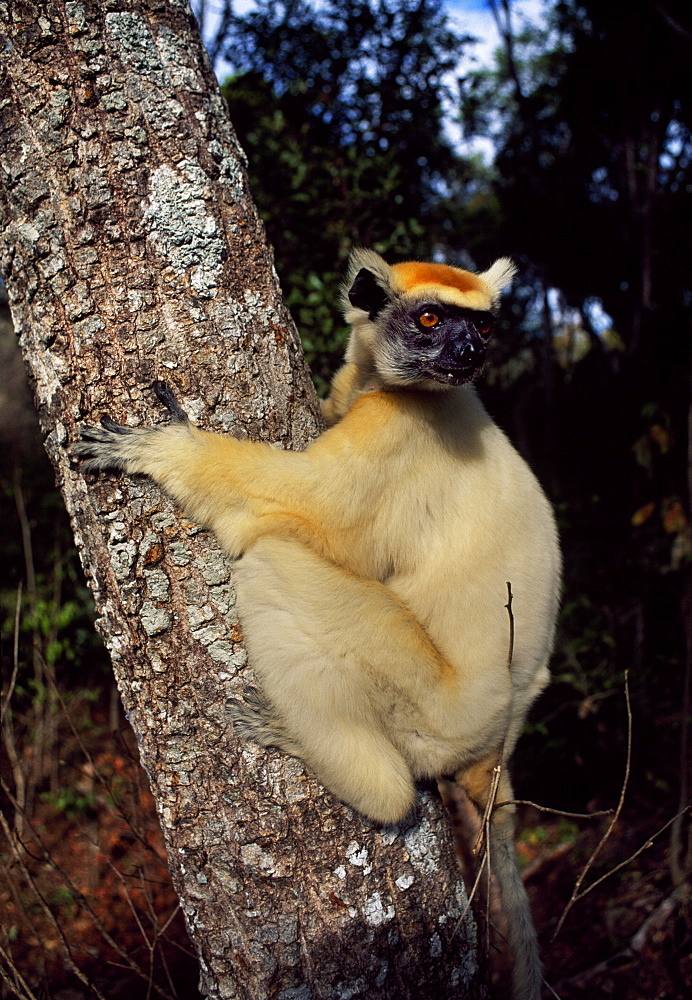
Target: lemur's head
421,324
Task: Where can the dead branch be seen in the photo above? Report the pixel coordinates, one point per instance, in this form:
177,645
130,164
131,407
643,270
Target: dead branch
644,847
576,892
554,812
20,982
510,614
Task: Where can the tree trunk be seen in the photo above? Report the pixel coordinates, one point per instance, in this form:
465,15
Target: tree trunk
131,251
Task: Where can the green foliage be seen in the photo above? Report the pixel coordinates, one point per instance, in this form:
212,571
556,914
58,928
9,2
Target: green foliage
311,299
64,626
584,649
541,837
70,801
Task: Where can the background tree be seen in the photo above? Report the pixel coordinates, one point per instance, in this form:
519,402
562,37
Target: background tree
131,250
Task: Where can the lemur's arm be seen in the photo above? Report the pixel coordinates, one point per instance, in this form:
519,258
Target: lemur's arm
242,489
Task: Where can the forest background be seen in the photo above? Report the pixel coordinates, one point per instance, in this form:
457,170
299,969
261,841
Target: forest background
350,116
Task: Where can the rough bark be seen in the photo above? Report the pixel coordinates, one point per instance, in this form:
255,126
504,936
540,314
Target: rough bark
131,251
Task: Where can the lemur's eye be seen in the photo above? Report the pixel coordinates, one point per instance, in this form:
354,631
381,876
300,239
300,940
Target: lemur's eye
484,324
428,318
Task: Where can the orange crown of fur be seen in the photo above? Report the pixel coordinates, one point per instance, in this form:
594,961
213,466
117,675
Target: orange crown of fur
474,291
412,273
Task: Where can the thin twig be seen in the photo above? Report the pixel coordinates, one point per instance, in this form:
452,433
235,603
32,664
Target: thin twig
508,605
27,994
484,839
489,808
149,945
482,845
471,895
160,931
554,812
488,873
7,721
640,850
7,696
576,893
547,984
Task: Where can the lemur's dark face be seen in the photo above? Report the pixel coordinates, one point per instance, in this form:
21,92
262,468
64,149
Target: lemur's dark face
423,339
432,339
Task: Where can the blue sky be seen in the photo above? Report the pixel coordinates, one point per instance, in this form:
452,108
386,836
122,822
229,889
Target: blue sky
474,18
470,16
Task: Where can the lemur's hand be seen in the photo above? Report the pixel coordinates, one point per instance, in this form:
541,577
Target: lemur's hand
115,446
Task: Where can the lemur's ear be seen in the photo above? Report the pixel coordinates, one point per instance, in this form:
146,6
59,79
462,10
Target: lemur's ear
498,276
369,283
367,293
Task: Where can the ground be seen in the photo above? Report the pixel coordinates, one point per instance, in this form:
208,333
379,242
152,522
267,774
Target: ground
90,891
